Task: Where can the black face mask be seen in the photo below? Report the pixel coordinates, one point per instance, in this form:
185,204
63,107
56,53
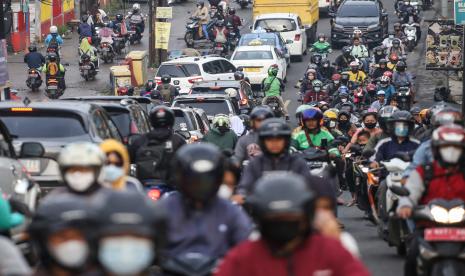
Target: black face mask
370,125
280,232
344,123
223,129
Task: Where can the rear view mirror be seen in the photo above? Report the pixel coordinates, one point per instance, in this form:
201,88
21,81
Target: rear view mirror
399,190
32,149
184,134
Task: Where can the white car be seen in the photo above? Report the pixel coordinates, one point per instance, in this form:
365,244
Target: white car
256,60
289,26
187,70
324,5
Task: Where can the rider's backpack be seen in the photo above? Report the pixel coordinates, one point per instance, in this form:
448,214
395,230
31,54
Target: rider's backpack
152,159
52,69
165,93
53,42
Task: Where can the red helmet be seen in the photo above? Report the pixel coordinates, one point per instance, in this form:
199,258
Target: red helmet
393,57
371,87
90,40
335,77
388,74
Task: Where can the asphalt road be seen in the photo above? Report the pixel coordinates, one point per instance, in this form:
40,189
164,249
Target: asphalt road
380,258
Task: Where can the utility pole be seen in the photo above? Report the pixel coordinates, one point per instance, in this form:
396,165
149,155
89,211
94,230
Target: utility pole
3,55
151,34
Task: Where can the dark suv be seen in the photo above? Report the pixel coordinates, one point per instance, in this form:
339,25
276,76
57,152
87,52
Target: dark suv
367,16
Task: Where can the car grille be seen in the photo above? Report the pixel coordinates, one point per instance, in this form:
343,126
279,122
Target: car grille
351,29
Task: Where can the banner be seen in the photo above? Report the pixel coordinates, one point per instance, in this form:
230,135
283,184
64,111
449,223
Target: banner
3,64
444,46
164,13
162,35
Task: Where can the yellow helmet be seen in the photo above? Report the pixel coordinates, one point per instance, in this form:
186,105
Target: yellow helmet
330,114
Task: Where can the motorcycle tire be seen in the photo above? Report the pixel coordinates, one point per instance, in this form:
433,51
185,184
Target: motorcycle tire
189,39
244,5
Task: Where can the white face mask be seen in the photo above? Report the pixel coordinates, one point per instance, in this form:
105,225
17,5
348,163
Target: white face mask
72,253
450,154
112,173
225,191
80,181
332,124
343,100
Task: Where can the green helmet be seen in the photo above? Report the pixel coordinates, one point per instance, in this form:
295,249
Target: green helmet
221,120
317,83
273,71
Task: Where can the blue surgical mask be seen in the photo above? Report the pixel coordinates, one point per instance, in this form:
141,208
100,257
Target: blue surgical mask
401,129
112,173
127,255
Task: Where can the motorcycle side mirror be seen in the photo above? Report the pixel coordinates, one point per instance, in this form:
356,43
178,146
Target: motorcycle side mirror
368,153
355,148
399,190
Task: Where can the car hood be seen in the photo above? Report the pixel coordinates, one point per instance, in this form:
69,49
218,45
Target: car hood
356,21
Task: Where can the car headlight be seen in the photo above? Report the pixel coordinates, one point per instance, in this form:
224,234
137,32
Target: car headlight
374,27
443,215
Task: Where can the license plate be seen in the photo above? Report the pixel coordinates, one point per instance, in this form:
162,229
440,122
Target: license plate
84,67
273,104
445,234
219,48
106,49
52,87
252,69
32,166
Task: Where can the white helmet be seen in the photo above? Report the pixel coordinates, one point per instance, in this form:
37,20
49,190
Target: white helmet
53,29
81,154
136,7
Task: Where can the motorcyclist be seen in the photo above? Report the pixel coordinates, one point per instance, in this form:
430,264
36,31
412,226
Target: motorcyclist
86,48
345,79
393,59
370,95
344,123
54,69
118,24
106,34
398,33
53,39
136,18
356,74
379,53
220,32
387,87
221,134
115,172
235,20
314,94
153,151
306,84
202,14
401,124
330,122
321,46
272,87
380,69
60,232
344,59
165,91
84,28
397,48
443,179
323,106
415,111
33,58
247,146
401,77
425,129
274,136
287,231
359,51
115,238
316,59
335,84
384,114
326,71
344,91
381,100
198,173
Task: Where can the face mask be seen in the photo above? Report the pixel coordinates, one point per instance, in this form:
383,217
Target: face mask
112,173
401,129
354,70
344,123
280,232
336,82
317,89
322,39
80,181
370,125
343,100
225,191
223,129
332,124
72,254
450,154
125,255
326,65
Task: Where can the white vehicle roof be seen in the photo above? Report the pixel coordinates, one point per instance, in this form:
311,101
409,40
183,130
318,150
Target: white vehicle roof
198,60
255,48
276,15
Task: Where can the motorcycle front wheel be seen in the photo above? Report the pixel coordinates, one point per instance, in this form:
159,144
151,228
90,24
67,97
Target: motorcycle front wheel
189,39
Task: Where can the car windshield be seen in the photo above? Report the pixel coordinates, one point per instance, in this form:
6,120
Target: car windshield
276,24
179,70
253,55
211,107
251,40
358,11
122,121
43,125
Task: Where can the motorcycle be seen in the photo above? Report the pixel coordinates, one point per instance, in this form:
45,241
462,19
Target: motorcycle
52,88
390,227
359,98
220,49
119,43
410,31
106,52
273,103
442,245
134,35
233,36
321,166
243,3
404,98
33,80
192,31
87,68
189,264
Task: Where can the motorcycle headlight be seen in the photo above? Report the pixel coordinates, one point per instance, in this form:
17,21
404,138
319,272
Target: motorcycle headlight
456,214
440,214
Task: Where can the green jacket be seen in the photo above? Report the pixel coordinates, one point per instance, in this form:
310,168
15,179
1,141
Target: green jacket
226,141
300,142
321,47
274,86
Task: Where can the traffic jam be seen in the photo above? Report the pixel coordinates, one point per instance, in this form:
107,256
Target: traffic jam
298,137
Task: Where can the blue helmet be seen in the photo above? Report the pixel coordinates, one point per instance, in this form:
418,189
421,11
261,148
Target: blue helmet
343,89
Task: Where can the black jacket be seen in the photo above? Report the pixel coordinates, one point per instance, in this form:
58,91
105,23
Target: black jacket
264,164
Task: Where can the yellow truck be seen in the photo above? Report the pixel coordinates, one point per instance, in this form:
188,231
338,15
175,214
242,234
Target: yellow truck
306,10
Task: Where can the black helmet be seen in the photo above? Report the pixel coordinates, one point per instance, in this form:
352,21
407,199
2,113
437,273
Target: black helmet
384,114
238,75
261,112
62,211
316,59
397,26
402,116
166,79
84,18
232,11
274,127
119,17
383,61
346,50
198,171
325,61
379,49
52,57
401,66
396,42
281,195
32,48
162,117
220,23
